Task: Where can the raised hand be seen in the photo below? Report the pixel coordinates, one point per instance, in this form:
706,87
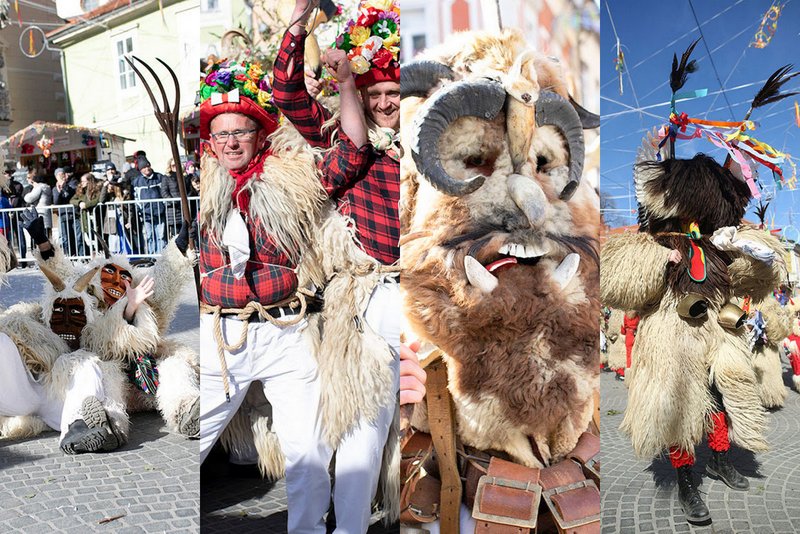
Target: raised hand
137,295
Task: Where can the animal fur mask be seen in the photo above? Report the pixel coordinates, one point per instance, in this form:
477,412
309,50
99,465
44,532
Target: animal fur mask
677,191
499,241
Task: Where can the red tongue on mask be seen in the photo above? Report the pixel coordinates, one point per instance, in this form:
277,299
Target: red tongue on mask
496,265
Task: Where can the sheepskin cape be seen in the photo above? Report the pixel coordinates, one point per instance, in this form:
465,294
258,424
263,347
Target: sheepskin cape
675,360
354,362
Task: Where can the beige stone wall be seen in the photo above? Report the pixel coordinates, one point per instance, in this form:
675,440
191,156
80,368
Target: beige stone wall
96,96
35,87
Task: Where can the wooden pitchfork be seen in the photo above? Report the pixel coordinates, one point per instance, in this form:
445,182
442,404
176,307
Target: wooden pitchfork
168,120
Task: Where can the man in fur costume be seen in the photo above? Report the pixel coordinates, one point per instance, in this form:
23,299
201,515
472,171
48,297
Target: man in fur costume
499,259
769,324
162,374
365,182
691,257
50,383
792,346
45,385
268,239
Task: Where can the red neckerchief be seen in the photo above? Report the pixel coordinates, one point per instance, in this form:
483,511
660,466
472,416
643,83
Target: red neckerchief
242,201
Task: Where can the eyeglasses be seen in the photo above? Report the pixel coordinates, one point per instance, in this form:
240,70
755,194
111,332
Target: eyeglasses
238,135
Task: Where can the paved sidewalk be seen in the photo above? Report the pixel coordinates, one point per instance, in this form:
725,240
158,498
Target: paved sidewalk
641,496
153,482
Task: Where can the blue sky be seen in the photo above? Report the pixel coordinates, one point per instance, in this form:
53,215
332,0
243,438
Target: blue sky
650,32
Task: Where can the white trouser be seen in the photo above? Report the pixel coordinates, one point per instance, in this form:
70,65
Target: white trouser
22,395
280,359
360,454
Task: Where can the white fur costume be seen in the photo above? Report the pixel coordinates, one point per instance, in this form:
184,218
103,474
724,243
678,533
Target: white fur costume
48,385
111,337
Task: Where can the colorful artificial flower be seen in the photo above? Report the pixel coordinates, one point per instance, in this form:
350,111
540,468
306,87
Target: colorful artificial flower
359,35
382,5
392,40
359,65
367,16
382,58
372,38
249,78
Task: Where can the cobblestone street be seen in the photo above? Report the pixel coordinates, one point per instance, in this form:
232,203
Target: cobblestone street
641,496
151,485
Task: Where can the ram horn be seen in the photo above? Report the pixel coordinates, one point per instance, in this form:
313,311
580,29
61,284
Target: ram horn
589,120
482,98
419,77
555,110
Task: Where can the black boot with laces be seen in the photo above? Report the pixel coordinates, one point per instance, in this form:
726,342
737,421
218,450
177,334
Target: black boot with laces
719,466
692,503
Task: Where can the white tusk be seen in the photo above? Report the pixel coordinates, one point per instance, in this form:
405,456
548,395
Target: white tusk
564,273
529,197
478,276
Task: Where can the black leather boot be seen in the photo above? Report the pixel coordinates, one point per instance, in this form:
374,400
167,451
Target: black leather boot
97,419
692,503
719,466
80,438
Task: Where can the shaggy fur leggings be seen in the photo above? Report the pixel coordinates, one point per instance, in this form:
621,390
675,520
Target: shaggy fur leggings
717,438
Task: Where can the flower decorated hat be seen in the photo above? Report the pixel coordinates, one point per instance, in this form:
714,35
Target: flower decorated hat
231,87
372,42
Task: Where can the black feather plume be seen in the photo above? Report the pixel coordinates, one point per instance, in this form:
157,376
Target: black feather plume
771,92
677,78
761,212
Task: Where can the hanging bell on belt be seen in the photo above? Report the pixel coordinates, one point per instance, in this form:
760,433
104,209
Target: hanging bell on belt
692,306
731,316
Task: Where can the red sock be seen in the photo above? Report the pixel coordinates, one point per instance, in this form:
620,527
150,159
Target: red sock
621,371
718,437
795,360
680,458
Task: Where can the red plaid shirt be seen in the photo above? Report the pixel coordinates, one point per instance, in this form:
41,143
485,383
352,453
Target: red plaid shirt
268,277
364,182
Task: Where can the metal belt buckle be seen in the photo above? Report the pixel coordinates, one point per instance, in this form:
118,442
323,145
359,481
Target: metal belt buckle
563,525
591,466
532,487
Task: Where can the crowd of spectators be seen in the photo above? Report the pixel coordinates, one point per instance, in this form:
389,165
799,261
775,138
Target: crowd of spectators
132,212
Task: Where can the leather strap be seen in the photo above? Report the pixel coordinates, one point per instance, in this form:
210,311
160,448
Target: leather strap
441,417
419,495
584,453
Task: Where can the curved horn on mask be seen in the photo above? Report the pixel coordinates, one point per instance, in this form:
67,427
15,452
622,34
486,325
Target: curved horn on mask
589,120
52,277
419,77
555,110
482,98
83,282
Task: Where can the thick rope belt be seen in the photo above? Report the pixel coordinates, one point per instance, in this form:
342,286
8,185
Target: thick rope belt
244,315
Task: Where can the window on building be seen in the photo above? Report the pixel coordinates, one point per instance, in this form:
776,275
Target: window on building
209,5
418,43
89,5
127,78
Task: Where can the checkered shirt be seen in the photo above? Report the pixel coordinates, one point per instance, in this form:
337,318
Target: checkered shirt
266,279
364,182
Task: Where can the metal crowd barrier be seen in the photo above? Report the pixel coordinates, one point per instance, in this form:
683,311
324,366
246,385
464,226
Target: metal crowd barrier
137,229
